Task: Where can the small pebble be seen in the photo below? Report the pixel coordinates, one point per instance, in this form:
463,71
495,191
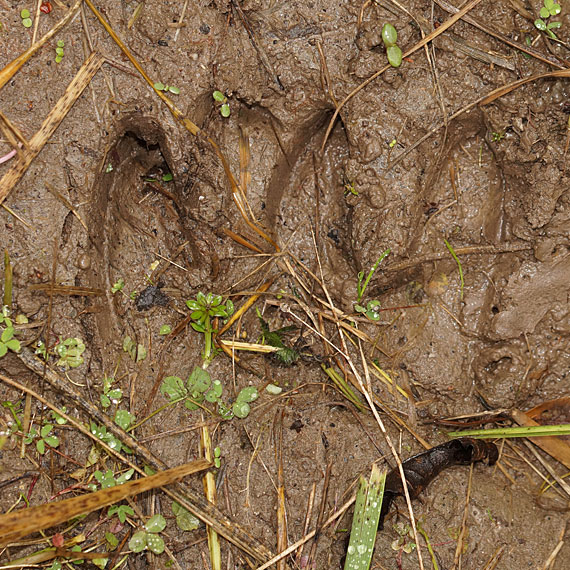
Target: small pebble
84,261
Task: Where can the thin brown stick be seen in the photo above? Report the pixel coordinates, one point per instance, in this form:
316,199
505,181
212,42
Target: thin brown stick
83,77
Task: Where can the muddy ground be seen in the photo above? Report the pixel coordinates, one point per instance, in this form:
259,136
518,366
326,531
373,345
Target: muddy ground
496,180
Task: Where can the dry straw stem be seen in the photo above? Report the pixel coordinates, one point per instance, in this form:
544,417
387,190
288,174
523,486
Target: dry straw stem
50,124
237,193
189,499
18,524
447,24
7,73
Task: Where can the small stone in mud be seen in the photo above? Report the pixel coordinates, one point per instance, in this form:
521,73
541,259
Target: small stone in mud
150,297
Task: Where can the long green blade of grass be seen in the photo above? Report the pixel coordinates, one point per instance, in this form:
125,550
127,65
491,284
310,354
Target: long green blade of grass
525,431
365,521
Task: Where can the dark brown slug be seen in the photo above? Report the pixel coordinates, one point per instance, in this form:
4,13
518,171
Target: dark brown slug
422,468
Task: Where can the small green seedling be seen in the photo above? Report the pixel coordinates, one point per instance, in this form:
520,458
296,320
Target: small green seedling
69,352
550,8
199,389
100,432
390,37
110,395
149,537
405,541
7,332
137,352
204,309
43,438
59,51
372,308
122,512
497,136
26,19
168,88
185,520
285,354
222,100
108,479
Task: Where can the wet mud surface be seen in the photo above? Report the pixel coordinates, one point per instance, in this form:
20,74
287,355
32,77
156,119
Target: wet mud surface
494,183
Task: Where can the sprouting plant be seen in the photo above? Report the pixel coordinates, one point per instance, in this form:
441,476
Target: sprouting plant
550,8
43,437
199,389
122,512
26,19
110,395
405,540
349,188
185,520
204,309
222,100
59,51
69,352
169,88
118,285
7,332
136,351
149,537
286,355
372,307
100,432
497,136
108,478
390,37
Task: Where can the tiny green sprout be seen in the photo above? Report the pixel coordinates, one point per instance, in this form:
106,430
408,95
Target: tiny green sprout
159,86
217,455
46,438
7,340
394,54
550,8
164,330
70,352
108,168
122,511
149,538
497,136
137,352
168,177
204,309
241,406
392,143
185,520
349,188
390,37
26,19
220,98
59,51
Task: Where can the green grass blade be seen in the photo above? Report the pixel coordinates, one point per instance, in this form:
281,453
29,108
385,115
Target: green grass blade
365,521
524,431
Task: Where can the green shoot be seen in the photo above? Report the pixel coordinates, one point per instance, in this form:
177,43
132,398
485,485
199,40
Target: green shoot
362,286
365,521
393,52
222,100
204,309
509,432
168,88
26,19
454,255
149,537
7,334
550,8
